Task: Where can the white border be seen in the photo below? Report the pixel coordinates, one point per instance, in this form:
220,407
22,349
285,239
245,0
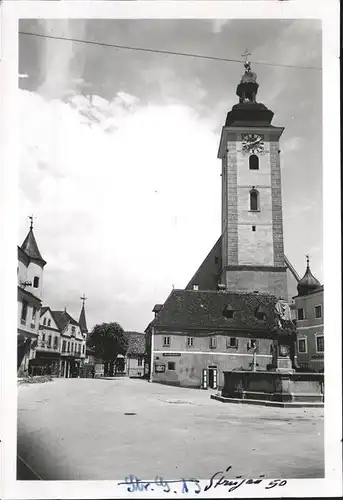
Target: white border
328,11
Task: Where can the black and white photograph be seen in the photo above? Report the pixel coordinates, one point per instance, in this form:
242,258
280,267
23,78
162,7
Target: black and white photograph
170,214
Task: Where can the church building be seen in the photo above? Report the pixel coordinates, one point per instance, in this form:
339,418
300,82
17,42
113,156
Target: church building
221,321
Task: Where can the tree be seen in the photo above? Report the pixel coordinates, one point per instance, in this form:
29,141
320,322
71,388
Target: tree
108,340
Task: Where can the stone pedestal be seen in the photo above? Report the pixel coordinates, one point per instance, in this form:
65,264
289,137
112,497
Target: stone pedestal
281,361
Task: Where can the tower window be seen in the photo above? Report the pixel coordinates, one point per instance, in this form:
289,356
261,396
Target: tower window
35,282
253,162
254,228
254,200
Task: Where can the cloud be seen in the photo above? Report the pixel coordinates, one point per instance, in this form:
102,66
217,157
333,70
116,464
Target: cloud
109,184
218,24
58,56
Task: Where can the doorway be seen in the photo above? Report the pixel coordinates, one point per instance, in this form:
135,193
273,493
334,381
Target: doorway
212,377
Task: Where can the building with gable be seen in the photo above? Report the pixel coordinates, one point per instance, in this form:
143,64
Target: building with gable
47,359
135,357
61,345
72,344
223,319
30,291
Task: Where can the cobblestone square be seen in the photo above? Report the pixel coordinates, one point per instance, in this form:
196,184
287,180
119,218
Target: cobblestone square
81,429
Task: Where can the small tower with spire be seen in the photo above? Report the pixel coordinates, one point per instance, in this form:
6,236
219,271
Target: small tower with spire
34,276
82,319
252,229
308,282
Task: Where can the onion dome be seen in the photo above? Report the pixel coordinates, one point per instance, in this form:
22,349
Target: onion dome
308,282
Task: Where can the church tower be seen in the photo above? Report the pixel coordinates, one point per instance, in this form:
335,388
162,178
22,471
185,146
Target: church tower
252,231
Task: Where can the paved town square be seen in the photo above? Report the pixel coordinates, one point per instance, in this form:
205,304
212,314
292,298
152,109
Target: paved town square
107,429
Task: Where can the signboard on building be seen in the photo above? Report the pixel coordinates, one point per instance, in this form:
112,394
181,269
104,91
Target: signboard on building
160,368
172,354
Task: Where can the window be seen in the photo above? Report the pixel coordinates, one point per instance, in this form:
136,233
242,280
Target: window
232,342
318,311
253,162
139,362
49,322
228,312
72,346
56,342
24,311
166,341
260,313
301,314
320,343
73,329
190,341
35,282
43,337
254,200
253,228
34,312
44,321
49,340
171,365
302,345
213,342
252,344
68,347
83,349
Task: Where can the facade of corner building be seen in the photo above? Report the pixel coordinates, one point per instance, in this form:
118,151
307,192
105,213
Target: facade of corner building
47,359
309,305
221,321
30,290
197,335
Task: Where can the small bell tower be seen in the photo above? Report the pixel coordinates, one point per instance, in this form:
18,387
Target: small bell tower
252,229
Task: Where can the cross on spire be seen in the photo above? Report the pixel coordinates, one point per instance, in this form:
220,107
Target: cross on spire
245,55
307,259
31,217
83,298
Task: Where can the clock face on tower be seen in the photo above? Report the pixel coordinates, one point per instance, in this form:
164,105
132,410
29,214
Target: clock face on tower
252,143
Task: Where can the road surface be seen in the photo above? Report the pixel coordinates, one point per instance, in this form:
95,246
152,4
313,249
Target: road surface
107,429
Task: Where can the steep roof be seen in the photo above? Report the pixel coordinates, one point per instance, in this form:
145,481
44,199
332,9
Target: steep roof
30,247
206,276
44,309
136,343
82,320
204,309
62,318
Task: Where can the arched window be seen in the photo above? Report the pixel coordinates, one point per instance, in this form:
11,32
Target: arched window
254,200
35,282
253,162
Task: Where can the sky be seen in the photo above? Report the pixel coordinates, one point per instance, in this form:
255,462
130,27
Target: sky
118,152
